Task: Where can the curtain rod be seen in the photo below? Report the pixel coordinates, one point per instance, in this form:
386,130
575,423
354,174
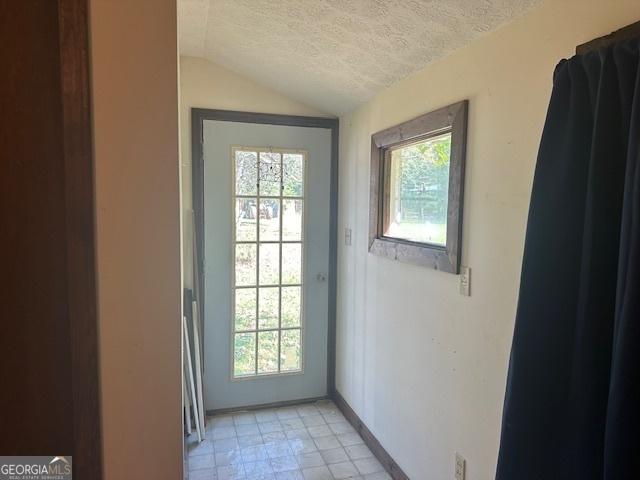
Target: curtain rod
625,33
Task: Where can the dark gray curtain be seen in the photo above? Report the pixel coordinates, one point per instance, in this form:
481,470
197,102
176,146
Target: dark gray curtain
572,402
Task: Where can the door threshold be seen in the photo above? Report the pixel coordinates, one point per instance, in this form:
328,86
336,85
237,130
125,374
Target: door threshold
248,408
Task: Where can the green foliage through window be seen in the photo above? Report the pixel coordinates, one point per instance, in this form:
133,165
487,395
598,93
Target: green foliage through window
419,181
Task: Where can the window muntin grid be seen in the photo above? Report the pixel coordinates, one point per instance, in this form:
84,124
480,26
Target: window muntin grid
267,181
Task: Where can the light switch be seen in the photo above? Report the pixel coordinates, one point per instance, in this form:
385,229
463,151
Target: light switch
347,236
465,281
459,467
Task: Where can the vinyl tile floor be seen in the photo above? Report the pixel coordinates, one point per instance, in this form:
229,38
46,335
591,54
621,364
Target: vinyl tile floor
312,441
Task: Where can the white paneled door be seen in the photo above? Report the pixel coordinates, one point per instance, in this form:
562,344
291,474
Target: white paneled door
267,195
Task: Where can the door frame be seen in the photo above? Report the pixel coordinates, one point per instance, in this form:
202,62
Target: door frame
198,116
70,164
73,18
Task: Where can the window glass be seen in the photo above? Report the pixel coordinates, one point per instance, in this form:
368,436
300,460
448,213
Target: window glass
268,256
269,311
246,212
290,351
244,354
292,220
269,219
293,175
270,174
419,191
246,173
245,309
245,264
268,352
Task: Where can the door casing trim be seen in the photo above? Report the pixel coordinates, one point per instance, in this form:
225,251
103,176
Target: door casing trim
73,19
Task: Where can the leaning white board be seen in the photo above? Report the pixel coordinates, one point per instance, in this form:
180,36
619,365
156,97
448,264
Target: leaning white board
198,361
190,382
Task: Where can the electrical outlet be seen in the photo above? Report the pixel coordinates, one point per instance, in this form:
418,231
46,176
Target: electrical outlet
465,281
460,467
347,236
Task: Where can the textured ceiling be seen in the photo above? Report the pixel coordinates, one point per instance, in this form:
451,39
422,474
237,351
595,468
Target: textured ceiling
334,54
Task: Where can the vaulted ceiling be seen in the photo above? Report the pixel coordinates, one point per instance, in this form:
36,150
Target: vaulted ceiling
334,54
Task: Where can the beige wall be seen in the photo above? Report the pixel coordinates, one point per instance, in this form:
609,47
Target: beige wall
206,85
423,366
135,114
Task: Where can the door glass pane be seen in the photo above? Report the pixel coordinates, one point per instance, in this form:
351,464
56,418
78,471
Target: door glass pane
267,352
246,165
290,358
291,306
291,263
269,219
270,174
268,309
245,310
246,219
269,263
292,220
292,174
246,264
244,354
419,191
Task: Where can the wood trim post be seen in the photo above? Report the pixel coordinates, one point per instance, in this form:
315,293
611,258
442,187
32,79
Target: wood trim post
80,231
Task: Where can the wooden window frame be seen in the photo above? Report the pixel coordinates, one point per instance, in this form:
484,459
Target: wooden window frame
451,119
